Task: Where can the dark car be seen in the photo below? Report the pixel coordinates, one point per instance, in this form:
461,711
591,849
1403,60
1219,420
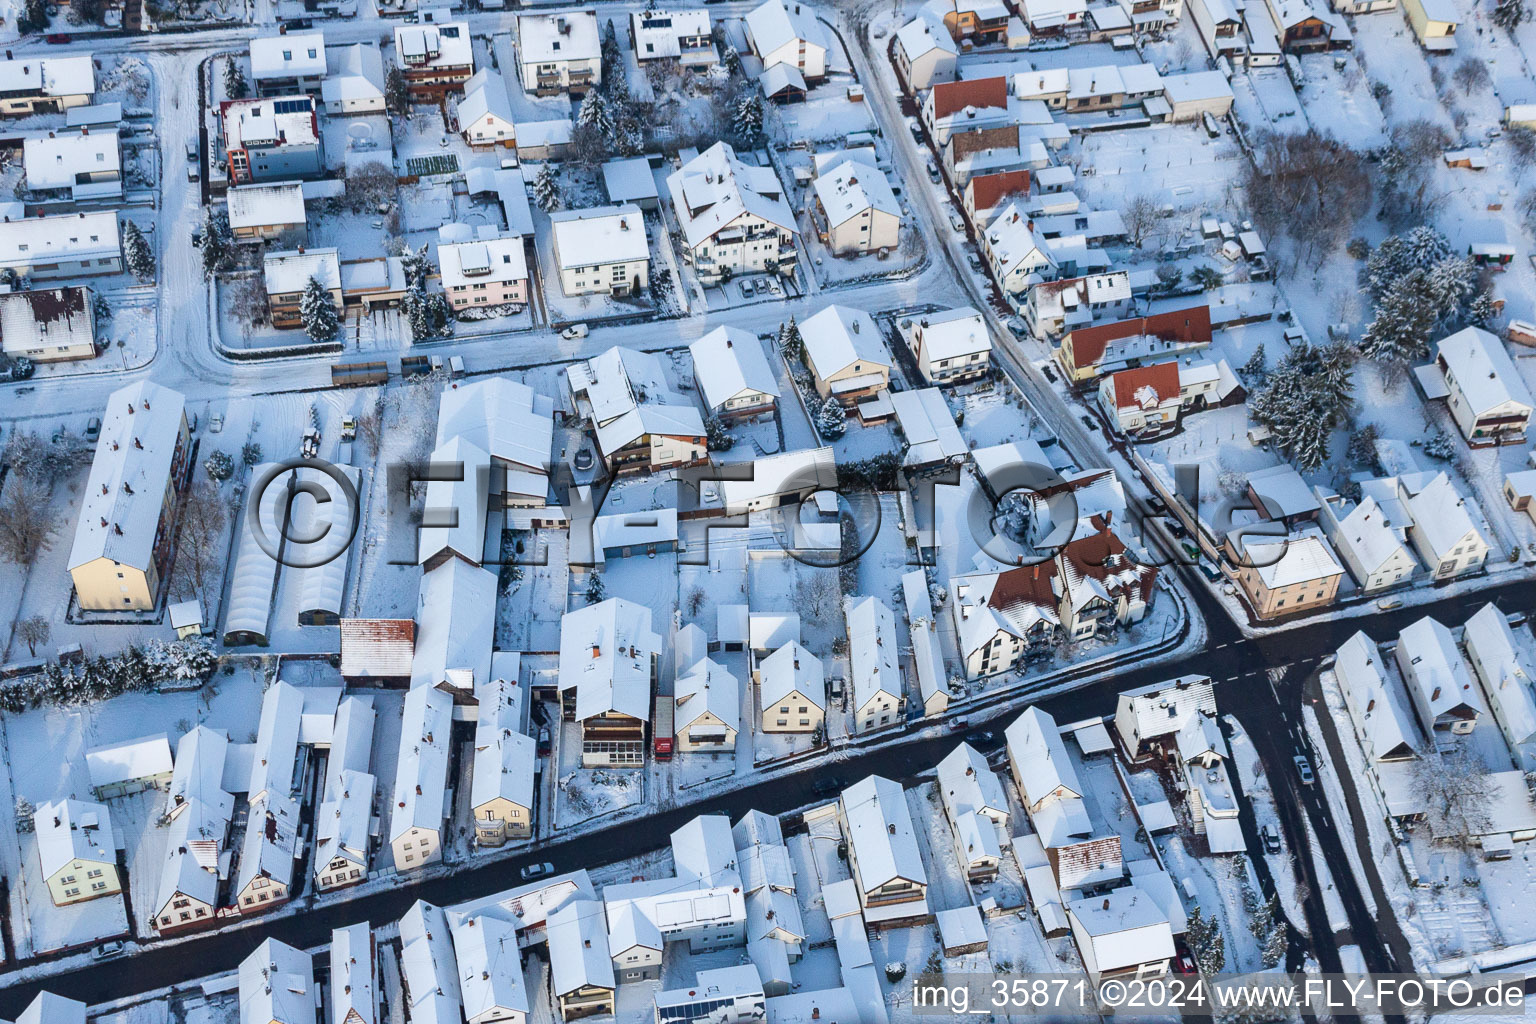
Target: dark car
533,871
1271,839
826,785
58,37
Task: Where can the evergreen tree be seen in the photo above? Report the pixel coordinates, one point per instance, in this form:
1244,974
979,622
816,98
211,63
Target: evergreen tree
1440,447
1451,283
718,438
546,189
219,466
730,60
35,16
1206,943
428,313
1362,447
137,255
1482,312
1420,249
397,93
747,120
1205,278
235,87
416,265
593,113
218,243
831,421
1256,369
1406,317
1507,14
1276,938
321,321
790,341
250,454
596,589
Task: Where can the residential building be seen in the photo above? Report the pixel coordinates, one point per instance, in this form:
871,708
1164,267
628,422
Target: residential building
490,967
76,850
354,80
1489,402
277,985
733,375
1502,665
1434,23
506,763
429,966
1382,721
708,708
979,22
792,690
983,194
1443,531
968,104
33,85
641,423
630,180
264,878
293,62
879,697
927,428
488,271
49,324
455,618
1090,352
855,210
199,811
681,35
976,807
1372,546
1102,586
581,971
732,215
783,481
1201,754
1144,401
1286,575
73,165
269,213
544,140
420,814
66,245
1220,25
1122,934
601,251
128,767
925,52
273,139
1002,618
1153,715
1519,485
1193,95
516,428
123,540
288,273
485,112
882,852
927,653
435,58
725,995
1438,683
1053,307
788,32
608,655
1017,255
951,346
559,52
343,831
846,355
354,977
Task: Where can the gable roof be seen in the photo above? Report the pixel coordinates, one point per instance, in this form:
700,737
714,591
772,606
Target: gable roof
840,336
791,669
1435,672
1483,370
707,688
704,853
1039,757
141,758
485,95
987,190
421,771
880,833
1440,515
377,648
1385,726
1189,325
352,974
490,965
353,72
503,416
871,649
1146,386
850,188
778,22
728,362
952,97
605,653
923,34
578,948
714,188
277,983
71,830
967,783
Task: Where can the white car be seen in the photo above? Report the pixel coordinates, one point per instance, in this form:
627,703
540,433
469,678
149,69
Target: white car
574,331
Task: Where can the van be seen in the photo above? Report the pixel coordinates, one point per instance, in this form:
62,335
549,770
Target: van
456,366
574,331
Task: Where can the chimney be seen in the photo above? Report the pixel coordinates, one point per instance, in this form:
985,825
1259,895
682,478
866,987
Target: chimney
815,1013
891,828
114,446
130,409
103,522
117,529
104,489
855,327
623,223
127,488
138,444
1106,902
597,651
146,405
728,343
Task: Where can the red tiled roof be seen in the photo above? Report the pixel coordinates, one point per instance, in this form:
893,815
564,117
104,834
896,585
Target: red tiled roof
377,648
1101,556
1185,325
987,190
951,97
1028,584
1162,378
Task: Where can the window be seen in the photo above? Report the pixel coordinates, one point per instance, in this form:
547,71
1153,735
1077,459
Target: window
71,893
785,711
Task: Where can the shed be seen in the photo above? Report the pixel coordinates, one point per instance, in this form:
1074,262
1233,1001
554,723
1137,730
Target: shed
187,618
631,181
962,930
131,766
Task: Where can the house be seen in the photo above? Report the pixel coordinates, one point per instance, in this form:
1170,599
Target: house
708,708
1502,665
43,86
559,52
1382,722
1054,17
641,423
267,856
925,52
277,985
488,271
976,807
792,690
515,427
1102,586
732,215
1191,96
1300,28
543,140
1122,934
1443,532
454,621
132,766
1067,304
731,995
73,165
485,112
1090,352
581,971
1489,402
983,194
77,853
268,213
883,852
354,975
354,80
630,181
846,355
879,697
1286,575
1202,757
273,139
951,346
626,534
67,245
501,795
436,59
685,36
733,375
1280,495
123,540
1016,254
608,655
784,480
199,811
1519,485
287,274
927,654
978,22
344,829
704,852
601,251
1220,24
371,284
788,32
968,104
1373,547
49,324
418,819
289,63
928,430
855,209
1437,679
429,966
1004,617
1434,23
1144,401
1155,714
490,967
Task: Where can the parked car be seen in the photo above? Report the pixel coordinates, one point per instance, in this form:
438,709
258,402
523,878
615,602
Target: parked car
1271,839
192,152
58,37
827,785
574,331
93,428
915,128
107,950
532,871
1304,769
746,288
933,172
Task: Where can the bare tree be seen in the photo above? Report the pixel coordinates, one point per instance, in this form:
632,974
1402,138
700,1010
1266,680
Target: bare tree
26,521
42,460
370,428
1141,216
33,631
1423,140
1457,800
1522,149
248,301
1309,187
816,592
201,550
367,186
1471,74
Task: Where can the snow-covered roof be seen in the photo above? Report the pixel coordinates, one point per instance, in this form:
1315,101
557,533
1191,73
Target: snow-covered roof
707,688
490,257
578,948
505,758
277,985
353,72
777,22
264,205
1196,87
781,77
850,188
630,180
967,784
1282,492
961,927
50,1008
199,769
715,188
120,509
1481,368
704,853
599,236
1435,673
1502,666
490,967
558,37
62,159
928,426
485,95
1039,757
455,623
1299,558
880,833
1385,725
289,272
294,55
421,772
800,471
791,669
381,648
659,33
729,362
606,650
352,975
52,76
1440,515
1012,240
503,416
922,34
871,650
953,334
274,122
538,134
1369,535
443,45
827,1006
146,757
73,830
277,742
634,529
631,396
343,822
93,115
839,337
927,655
1125,927
428,964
